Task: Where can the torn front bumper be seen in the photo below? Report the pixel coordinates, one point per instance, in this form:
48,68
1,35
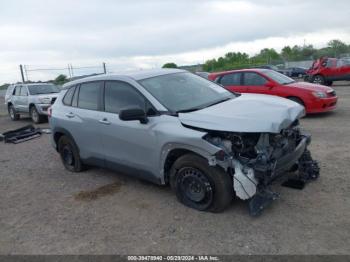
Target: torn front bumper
268,173
253,183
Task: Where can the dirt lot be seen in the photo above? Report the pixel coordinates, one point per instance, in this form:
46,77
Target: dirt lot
46,210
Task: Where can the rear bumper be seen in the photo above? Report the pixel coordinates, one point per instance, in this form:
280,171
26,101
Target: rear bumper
322,105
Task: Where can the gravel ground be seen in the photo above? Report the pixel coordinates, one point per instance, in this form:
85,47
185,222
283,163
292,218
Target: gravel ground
46,210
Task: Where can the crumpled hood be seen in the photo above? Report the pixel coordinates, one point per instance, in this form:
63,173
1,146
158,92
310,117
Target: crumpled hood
251,113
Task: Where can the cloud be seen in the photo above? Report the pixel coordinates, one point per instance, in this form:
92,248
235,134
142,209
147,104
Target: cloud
143,33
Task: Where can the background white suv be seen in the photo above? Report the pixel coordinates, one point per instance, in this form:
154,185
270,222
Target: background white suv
32,99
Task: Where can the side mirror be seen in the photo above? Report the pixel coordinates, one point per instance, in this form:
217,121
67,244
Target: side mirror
270,85
134,113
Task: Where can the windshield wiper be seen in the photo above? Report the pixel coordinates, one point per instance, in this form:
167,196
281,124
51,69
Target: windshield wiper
202,107
189,110
220,101
286,83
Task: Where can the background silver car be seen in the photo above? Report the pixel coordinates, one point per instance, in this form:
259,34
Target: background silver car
172,127
32,99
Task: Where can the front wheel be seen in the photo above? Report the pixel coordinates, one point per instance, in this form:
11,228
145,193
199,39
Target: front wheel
200,186
318,79
36,117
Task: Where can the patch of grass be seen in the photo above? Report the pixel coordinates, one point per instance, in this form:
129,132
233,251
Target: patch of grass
102,191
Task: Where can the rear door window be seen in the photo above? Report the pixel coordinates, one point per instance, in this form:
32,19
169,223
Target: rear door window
17,91
89,95
231,79
253,79
23,91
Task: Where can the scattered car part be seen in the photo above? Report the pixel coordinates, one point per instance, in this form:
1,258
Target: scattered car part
21,134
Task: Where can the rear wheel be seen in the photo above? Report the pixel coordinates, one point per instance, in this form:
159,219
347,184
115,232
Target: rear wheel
70,154
36,117
200,186
318,79
12,113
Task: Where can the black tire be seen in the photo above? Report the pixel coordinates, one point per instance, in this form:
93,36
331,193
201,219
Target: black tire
318,79
35,116
297,100
69,153
12,113
329,83
200,186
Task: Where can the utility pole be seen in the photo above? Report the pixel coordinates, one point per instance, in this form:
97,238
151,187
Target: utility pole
22,73
104,68
69,73
71,70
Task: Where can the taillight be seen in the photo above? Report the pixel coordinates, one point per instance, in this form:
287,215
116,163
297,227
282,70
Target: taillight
49,111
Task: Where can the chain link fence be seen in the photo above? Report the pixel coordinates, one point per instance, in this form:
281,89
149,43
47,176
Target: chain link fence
31,73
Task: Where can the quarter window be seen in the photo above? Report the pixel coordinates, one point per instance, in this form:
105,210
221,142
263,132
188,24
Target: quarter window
75,97
231,79
89,95
67,100
253,79
120,95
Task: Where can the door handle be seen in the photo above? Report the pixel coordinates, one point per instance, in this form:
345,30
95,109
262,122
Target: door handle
104,121
70,115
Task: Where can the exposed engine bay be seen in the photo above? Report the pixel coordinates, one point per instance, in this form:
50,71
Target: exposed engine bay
255,160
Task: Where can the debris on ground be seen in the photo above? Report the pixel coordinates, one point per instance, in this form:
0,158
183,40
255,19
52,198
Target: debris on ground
21,134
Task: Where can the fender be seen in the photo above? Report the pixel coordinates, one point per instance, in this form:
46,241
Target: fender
65,132
167,148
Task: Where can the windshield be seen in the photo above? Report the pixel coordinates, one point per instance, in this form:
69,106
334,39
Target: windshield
278,77
185,92
43,89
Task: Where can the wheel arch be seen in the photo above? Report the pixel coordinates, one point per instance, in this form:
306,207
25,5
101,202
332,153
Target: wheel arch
172,152
59,132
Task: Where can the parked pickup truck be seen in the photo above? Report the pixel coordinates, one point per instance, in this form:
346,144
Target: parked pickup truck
326,70
32,99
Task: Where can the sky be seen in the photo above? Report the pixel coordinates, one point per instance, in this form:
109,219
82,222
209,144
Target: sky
135,34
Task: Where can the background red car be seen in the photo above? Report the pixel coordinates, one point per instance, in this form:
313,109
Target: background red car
315,98
326,70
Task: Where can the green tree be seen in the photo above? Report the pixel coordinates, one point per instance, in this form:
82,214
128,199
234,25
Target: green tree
287,53
338,47
169,65
60,80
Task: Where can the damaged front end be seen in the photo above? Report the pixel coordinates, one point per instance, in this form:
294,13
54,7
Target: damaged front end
255,160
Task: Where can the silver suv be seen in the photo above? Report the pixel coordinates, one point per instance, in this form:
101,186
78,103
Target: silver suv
172,127
32,99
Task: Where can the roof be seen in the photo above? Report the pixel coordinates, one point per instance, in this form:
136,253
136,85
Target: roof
242,70
32,84
135,75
